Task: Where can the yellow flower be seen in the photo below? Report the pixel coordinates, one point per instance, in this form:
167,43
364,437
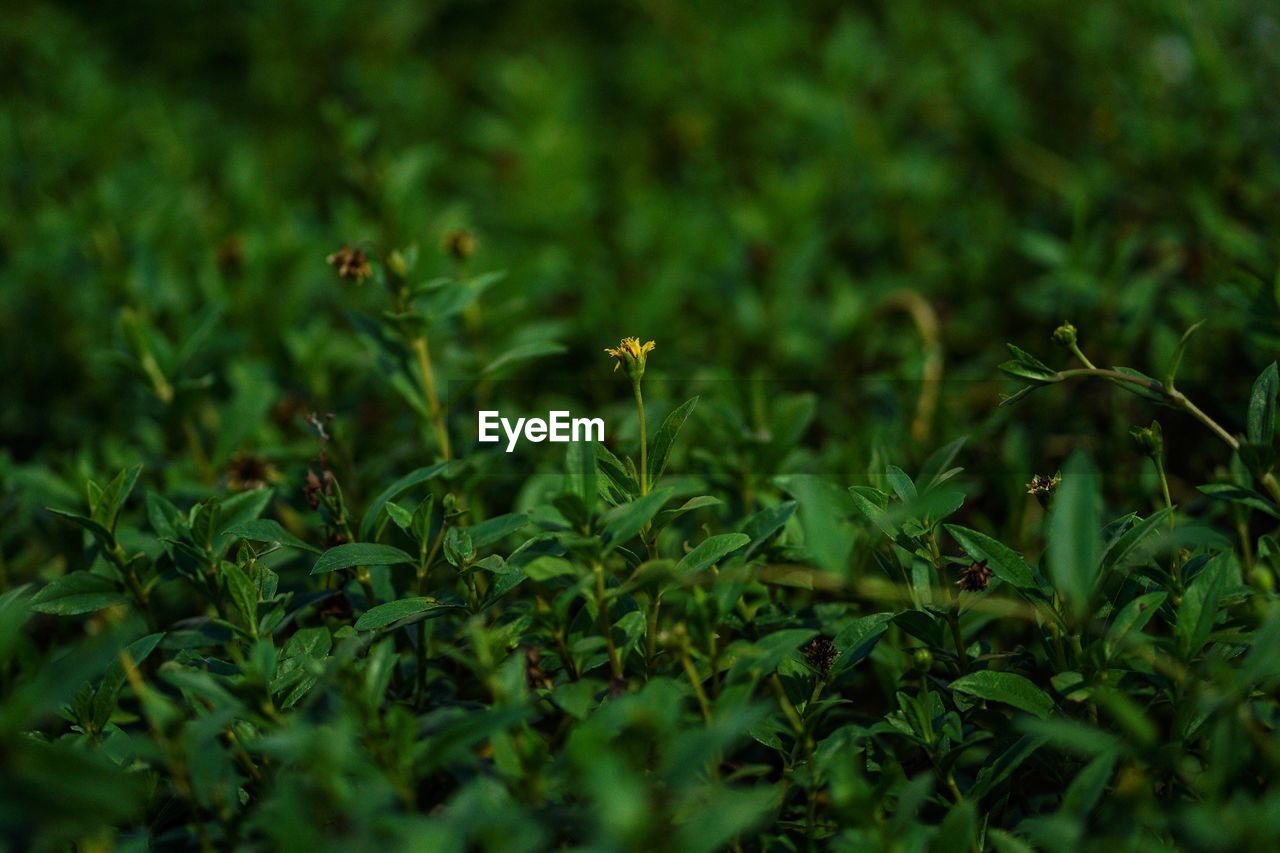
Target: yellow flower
632,353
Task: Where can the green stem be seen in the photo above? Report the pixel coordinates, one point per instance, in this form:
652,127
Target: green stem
644,441
606,627
420,349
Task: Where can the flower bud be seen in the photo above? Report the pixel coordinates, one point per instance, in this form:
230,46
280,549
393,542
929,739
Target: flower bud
1150,440
922,659
1065,335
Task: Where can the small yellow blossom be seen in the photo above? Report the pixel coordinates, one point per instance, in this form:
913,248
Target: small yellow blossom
633,354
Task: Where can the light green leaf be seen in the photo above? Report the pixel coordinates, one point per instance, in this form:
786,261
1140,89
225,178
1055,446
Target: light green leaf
1075,542
711,551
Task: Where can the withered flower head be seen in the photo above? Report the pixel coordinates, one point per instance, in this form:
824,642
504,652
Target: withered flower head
351,264
1042,488
975,578
247,471
317,485
459,244
821,653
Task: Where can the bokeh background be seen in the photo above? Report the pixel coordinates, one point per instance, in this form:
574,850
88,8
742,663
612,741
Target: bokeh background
764,188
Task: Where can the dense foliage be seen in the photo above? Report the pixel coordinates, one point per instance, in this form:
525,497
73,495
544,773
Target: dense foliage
832,580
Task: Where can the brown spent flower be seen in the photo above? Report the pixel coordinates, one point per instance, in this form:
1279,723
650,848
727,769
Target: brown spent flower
317,485
1041,485
821,653
351,264
459,244
975,578
248,471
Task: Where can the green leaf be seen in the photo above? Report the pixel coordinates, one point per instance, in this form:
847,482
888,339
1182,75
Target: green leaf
359,554
1004,562
761,526
1007,687
1199,608
627,520
494,530
1075,543
545,568
1261,420
106,509
824,515
711,551
669,515
398,488
666,438
1240,495
1118,553
243,592
78,592
1132,617
100,533
1179,350
581,477
523,352
1024,365
268,530
395,611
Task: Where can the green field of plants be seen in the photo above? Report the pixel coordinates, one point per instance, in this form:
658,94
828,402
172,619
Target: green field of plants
934,504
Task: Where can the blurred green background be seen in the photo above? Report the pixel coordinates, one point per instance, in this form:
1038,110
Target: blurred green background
747,183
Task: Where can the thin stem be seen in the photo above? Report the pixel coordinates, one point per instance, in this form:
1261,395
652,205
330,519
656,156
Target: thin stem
644,441
1164,487
429,387
606,627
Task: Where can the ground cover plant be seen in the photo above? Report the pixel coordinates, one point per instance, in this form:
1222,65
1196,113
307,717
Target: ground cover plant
935,345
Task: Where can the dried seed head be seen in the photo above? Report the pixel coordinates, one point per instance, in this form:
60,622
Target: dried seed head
317,485
633,354
975,578
247,471
459,244
1043,485
351,264
821,653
